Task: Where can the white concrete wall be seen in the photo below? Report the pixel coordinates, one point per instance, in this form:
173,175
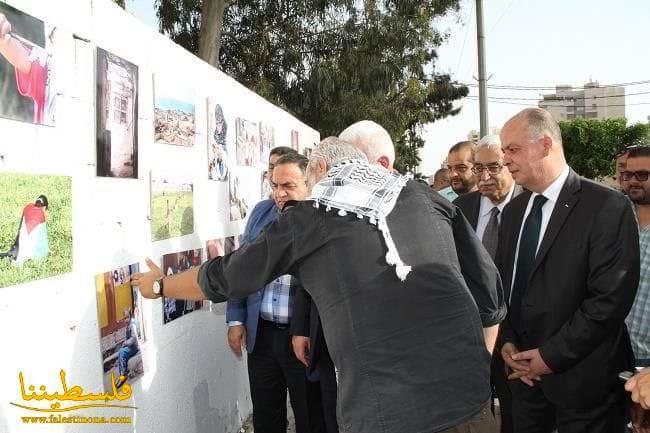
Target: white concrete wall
192,383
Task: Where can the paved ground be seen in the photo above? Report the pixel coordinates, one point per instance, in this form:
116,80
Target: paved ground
248,424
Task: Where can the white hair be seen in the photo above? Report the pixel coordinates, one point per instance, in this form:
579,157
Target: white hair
491,141
333,150
371,139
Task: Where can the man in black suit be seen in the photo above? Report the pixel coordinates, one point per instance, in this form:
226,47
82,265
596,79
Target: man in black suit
310,348
568,250
483,210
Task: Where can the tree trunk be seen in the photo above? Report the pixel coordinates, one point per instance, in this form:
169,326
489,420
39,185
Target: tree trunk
210,33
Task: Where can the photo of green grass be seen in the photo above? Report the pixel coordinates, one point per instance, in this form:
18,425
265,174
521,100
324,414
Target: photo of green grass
172,209
18,193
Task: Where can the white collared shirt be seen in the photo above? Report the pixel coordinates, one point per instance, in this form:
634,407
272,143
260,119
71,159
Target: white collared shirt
551,193
485,209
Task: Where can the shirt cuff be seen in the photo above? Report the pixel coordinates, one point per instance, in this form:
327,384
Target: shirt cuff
235,323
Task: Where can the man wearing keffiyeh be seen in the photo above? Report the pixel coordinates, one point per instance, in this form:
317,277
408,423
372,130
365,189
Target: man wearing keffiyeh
403,287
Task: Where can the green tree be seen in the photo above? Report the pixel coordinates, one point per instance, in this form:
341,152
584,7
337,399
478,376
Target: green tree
591,145
332,62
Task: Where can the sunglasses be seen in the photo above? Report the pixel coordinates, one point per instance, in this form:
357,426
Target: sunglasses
641,175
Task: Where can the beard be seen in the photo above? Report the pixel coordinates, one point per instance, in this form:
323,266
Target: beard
465,186
639,195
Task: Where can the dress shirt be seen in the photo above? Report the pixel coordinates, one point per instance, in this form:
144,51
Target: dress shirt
486,208
552,192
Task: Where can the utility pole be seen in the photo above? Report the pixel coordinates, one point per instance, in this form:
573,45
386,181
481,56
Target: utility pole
482,80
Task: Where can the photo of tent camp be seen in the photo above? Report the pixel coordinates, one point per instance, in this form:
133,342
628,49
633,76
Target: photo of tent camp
238,206
27,76
217,148
267,141
295,140
172,209
172,264
248,150
174,111
35,227
121,325
117,116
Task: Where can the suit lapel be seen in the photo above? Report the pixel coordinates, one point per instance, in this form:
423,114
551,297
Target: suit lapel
518,208
473,216
563,207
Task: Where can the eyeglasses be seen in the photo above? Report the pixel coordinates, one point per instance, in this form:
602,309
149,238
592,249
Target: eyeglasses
458,168
641,175
491,168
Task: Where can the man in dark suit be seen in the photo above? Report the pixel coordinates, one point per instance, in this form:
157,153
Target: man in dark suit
310,348
568,250
483,209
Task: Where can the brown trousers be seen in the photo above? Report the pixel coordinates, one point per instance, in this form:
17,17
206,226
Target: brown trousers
483,422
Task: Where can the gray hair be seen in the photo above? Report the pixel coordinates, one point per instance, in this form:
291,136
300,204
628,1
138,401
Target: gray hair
371,138
492,142
333,150
539,123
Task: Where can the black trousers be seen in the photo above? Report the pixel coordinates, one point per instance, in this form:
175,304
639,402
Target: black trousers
272,369
327,381
500,383
533,413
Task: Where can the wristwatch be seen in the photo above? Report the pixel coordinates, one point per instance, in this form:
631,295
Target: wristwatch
158,287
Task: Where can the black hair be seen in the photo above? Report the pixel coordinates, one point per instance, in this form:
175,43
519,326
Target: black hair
294,158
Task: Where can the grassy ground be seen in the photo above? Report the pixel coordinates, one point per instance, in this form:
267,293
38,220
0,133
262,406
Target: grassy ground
179,221
16,191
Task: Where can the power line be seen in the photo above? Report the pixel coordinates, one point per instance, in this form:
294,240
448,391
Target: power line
474,98
565,98
500,17
518,87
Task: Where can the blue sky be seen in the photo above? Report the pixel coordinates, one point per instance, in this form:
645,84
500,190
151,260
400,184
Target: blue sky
530,43
173,104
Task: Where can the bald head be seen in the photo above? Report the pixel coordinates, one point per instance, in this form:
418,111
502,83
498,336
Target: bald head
532,144
373,140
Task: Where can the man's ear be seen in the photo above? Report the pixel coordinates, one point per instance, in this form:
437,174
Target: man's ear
384,162
322,168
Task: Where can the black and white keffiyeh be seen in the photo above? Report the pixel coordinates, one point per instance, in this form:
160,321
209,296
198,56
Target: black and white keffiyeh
366,190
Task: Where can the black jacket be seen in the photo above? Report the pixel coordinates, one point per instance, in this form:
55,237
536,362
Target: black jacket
410,355
581,288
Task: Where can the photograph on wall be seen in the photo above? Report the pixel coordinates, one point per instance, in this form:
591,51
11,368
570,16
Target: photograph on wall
172,208
267,141
265,186
121,325
27,73
230,244
117,116
217,148
174,111
215,248
172,264
35,227
238,206
247,137
295,140
218,248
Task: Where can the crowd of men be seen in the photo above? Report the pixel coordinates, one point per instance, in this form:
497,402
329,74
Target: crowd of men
369,295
